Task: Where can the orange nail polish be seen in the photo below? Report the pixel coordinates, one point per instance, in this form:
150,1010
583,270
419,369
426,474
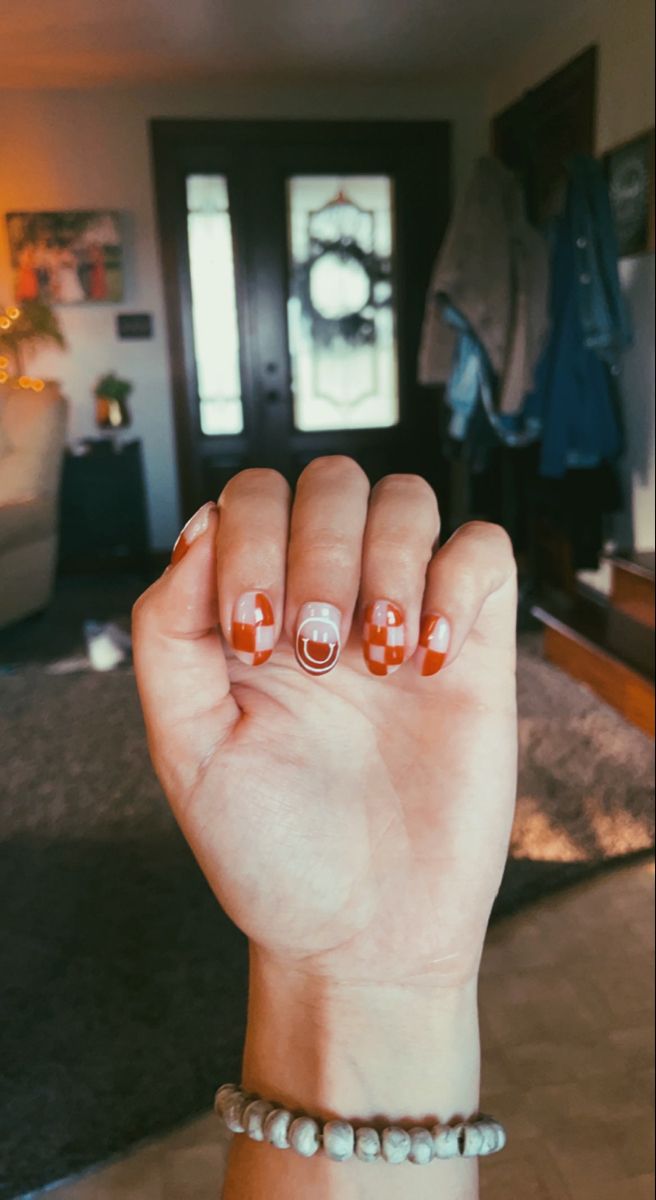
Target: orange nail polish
434,638
383,637
195,526
253,628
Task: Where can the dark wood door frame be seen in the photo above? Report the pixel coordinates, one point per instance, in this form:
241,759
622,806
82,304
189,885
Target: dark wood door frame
535,137
180,147
543,128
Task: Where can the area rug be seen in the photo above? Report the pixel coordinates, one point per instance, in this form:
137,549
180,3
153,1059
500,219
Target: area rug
122,984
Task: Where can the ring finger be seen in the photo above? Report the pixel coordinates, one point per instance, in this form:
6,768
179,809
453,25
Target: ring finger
402,528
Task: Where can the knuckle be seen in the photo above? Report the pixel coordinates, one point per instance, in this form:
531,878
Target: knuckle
253,479
405,506
494,540
328,545
140,609
408,489
414,484
401,550
335,466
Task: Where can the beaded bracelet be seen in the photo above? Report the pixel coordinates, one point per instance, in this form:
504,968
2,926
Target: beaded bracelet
263,1121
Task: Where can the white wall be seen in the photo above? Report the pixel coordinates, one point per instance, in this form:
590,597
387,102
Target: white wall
624,33
638,469
89,149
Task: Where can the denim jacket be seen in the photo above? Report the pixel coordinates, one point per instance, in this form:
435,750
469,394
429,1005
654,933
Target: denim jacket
472,380
603,313
574,396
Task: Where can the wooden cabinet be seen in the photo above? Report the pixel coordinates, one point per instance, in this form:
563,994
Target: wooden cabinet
102,507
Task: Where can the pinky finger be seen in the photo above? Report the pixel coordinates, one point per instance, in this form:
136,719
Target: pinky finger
470,587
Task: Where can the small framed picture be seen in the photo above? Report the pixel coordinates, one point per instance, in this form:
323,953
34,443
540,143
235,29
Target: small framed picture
630,173
66,257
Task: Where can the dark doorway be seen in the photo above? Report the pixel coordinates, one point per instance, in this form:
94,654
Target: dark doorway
296,258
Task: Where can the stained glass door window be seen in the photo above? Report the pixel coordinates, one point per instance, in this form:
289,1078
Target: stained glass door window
341,312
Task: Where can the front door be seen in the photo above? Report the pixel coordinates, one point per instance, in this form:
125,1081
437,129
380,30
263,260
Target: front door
297,257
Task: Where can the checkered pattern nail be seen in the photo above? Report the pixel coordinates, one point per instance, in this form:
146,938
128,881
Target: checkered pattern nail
253,628
434,638
383,637
318,637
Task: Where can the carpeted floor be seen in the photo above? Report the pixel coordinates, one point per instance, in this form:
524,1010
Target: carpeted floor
123,984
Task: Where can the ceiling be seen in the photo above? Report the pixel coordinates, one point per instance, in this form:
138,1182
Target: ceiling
82,43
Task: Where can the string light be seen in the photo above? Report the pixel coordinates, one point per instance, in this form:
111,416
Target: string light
27,382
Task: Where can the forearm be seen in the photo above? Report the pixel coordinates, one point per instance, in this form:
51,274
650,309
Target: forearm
408,1056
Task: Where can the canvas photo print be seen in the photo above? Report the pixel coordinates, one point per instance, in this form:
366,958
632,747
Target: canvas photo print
66,257
630,174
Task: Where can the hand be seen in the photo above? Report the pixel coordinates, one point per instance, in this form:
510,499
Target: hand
354,827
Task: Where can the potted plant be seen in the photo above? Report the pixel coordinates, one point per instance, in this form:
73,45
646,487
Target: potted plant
23,330
111,395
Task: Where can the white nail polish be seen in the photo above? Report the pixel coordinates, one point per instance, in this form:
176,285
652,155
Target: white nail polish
195,526
318,637
434,640
198,523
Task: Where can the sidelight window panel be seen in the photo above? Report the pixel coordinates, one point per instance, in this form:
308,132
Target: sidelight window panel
214,305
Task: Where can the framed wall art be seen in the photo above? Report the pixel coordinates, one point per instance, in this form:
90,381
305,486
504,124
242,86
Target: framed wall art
66,257
630,173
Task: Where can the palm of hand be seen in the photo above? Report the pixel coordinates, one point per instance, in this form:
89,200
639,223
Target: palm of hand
359,829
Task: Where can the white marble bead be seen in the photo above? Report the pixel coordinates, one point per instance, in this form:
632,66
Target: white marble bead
233,1111
254,1116
243,1112
395,1144
421,1146
472,1140
445,1141
222,1095
367,1144
493,1136
304,1136
276,1128
338,1140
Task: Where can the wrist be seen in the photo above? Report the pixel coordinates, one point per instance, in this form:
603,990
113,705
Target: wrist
361,1051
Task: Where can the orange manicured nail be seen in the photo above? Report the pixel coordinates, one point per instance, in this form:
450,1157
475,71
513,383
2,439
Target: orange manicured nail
434,638
383,637
192,530
253,628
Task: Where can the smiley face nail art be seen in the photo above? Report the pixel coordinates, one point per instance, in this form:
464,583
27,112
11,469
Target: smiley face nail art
318,642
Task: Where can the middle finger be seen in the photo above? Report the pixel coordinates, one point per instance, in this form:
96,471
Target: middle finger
325,554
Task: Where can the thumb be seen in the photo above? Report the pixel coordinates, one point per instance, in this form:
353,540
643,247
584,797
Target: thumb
179,662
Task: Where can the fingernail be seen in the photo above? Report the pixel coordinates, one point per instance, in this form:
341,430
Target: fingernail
253,629
317,636
192,530
434,638
383,637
